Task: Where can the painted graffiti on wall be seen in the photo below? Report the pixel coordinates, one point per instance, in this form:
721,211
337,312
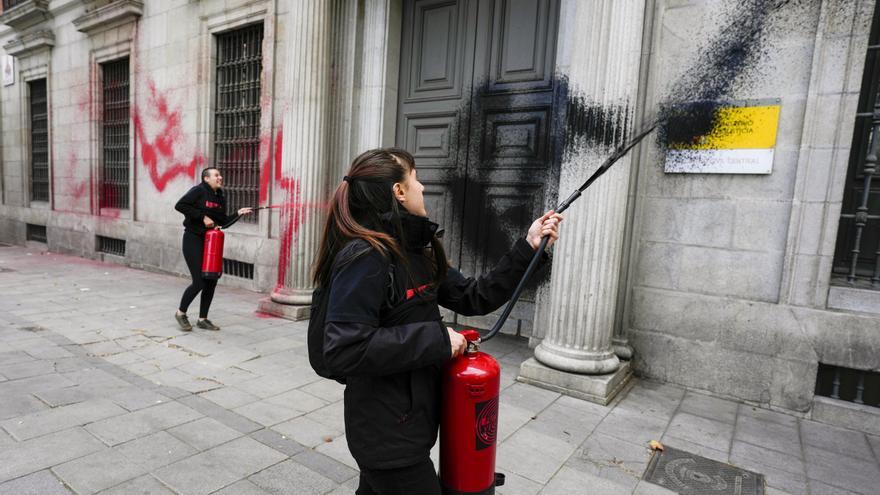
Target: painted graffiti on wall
159,150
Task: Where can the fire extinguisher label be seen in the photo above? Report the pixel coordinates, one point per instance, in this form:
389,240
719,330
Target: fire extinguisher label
486,426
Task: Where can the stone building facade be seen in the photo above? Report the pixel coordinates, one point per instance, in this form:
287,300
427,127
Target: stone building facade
739,284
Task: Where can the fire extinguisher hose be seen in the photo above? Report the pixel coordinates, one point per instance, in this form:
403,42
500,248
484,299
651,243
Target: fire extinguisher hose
619,153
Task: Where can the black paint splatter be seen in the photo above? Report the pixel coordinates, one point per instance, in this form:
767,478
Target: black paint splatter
486,230
690,110
589,124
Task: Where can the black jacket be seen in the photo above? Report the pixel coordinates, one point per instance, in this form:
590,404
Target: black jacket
388,341
201,201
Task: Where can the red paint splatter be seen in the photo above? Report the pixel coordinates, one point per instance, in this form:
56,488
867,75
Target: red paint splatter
77,188
111,212
161,149
290,223
293,215
266,170
260,314
278,143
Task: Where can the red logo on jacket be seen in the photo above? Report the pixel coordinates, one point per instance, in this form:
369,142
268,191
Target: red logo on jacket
211,204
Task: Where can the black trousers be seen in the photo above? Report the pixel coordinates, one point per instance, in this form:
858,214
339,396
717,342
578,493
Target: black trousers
193,250
418,479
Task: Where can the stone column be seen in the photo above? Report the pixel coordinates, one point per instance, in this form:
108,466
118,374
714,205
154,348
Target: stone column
377,105
305,155
598,61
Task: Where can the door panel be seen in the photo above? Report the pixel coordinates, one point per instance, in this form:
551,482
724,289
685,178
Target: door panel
435,87
476,110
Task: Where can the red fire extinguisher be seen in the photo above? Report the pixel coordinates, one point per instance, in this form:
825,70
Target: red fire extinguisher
212,256
469,424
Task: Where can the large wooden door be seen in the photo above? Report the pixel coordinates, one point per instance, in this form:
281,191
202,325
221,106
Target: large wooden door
475,109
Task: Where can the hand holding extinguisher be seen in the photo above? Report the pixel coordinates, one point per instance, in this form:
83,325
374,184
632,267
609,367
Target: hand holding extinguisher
212,257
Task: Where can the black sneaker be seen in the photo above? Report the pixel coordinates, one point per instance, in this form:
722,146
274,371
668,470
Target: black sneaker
207,325
183,321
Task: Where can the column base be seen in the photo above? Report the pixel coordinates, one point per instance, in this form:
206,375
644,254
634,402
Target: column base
288,311
622,348
600,389
296,297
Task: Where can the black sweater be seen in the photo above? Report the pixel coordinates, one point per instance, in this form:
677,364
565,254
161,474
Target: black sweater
391,351
201,201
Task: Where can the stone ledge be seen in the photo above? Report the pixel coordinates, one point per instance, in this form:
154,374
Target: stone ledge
846,414
854,299
288,311
600,389
30,43
27,14
109,16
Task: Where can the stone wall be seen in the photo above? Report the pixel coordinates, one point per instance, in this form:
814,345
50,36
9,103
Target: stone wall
730,274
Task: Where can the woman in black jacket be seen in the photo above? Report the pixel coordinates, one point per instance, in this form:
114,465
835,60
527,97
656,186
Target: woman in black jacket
203,208
386,272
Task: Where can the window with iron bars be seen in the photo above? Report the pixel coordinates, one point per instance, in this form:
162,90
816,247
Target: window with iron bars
851,385
8,4
235,268
115,169
111,245
237,116
36,233
857,256
39,140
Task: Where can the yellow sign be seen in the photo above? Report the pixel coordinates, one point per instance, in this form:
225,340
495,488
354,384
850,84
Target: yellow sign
739,128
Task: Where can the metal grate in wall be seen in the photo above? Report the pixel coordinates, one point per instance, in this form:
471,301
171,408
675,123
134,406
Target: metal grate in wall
857,255
110,245
237,116
240,269
36,233
39,140
115,170
858,386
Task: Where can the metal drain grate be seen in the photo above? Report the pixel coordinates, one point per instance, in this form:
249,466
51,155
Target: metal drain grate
690,474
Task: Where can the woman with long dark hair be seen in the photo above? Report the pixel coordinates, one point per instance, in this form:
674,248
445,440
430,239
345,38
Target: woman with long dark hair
203,208
384,270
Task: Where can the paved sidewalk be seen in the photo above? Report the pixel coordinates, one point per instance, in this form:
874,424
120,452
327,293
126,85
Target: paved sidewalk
101,393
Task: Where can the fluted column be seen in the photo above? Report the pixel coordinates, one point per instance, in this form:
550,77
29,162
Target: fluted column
599,56
305,155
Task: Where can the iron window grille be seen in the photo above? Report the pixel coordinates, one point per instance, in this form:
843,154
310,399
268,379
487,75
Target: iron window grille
857,386
115,170
857,255
39,140
36,233
110,245
8,4
235,268
237,115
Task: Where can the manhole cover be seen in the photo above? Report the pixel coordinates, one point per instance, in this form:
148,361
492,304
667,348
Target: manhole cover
690,474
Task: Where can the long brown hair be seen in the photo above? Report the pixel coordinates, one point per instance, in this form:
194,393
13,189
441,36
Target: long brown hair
357,207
